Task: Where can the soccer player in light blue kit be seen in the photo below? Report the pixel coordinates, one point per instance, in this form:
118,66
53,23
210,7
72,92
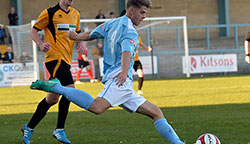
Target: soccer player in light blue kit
120,43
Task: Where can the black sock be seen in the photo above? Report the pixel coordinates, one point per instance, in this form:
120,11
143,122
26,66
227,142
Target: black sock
40,112
63,112
140,82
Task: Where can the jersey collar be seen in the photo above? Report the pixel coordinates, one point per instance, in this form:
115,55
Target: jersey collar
63,9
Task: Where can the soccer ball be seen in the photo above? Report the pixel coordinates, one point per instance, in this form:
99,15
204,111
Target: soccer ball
207,139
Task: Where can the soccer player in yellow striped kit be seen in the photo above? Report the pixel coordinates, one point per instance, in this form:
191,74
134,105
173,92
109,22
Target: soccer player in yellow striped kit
56,22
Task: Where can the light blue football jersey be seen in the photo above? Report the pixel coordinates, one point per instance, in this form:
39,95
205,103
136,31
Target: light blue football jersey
119,36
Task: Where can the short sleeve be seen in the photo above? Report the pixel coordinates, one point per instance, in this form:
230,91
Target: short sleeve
99,31
42,20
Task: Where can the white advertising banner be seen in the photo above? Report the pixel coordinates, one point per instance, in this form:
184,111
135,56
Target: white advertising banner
16,74
211,63
145,61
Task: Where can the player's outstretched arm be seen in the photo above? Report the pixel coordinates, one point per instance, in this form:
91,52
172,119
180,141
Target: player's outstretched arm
80,37
149,49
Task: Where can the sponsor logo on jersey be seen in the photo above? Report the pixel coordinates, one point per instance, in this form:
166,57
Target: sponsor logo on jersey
102,26
132,42
66,27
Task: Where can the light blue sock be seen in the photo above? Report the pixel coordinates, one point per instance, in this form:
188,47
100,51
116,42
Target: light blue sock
167,131
78,97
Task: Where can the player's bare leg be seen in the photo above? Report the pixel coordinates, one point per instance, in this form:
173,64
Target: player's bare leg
160,122
140,81
99,106
52,98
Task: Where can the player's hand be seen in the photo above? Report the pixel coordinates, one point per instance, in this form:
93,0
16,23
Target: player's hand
120,78
72,35
149,49
44,46
247,59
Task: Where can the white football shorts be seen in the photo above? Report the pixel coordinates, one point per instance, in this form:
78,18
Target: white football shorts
123,96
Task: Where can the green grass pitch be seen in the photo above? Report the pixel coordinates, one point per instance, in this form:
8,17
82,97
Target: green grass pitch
217,105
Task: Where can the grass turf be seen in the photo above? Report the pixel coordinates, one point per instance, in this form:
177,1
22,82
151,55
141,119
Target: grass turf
218,105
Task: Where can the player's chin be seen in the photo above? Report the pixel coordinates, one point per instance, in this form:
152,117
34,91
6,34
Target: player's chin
138,23
70,2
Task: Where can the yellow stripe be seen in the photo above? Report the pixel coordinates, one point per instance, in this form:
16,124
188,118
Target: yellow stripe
56,67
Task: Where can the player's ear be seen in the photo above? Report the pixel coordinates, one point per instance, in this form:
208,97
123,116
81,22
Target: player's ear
130,10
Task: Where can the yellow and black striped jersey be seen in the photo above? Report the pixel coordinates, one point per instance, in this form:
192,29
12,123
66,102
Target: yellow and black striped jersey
56,22
136,58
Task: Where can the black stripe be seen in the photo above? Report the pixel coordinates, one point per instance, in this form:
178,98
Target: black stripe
67,29
51,13
36,28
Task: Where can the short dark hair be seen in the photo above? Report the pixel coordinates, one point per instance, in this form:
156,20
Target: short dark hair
138,3
123,13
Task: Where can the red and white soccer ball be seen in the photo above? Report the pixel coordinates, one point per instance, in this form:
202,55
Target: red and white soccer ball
207,139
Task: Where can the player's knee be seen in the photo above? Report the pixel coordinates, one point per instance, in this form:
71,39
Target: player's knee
99,106
52,99
98,111
157,114
140,72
